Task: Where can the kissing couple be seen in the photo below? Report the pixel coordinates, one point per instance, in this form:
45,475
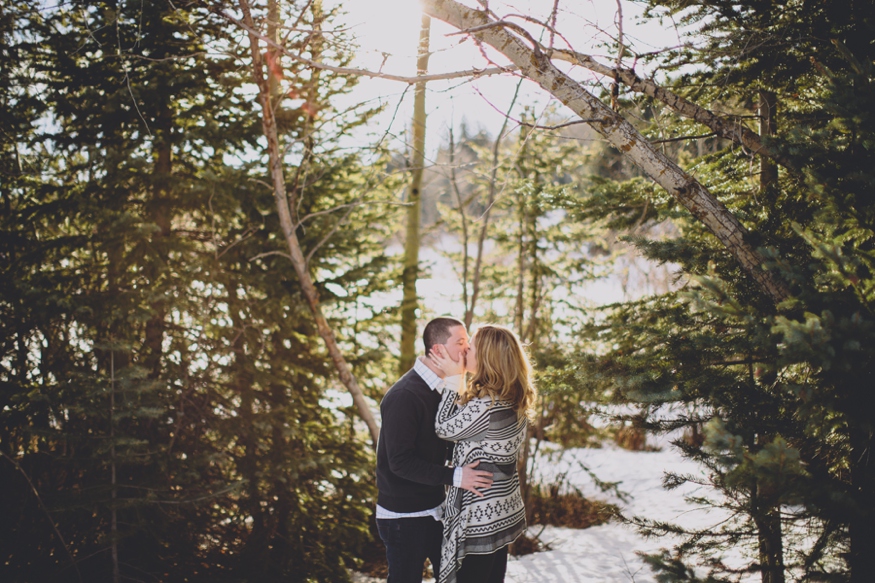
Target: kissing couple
447,455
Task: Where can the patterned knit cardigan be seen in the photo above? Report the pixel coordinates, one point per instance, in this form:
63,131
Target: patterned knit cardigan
492,433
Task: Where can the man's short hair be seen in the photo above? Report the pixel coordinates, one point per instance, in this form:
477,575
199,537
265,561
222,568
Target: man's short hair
438,331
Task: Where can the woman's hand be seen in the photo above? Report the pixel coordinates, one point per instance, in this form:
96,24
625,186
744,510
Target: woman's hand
442,360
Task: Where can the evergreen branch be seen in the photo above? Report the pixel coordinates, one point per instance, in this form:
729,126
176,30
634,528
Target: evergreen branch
209,496
246,235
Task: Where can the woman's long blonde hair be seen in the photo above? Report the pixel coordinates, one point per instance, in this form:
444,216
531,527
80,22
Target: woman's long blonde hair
503,370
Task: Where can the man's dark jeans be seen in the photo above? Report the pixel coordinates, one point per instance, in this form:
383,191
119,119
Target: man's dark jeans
408,542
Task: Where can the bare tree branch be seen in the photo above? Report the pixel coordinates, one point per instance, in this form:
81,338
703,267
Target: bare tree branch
296,255
359,202
329,234
251,30
723,127
271,253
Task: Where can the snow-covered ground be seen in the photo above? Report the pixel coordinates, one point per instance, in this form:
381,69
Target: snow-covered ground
607,553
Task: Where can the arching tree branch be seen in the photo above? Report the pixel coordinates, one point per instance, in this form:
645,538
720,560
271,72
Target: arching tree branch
537,66
723,127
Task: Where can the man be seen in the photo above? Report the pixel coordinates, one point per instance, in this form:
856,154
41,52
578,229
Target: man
411,460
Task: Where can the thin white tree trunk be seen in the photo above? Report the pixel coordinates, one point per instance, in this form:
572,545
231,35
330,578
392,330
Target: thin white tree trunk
295,254
413,237
535,64
463,217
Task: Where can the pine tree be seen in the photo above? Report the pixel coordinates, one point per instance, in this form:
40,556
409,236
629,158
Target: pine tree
779,390
164,392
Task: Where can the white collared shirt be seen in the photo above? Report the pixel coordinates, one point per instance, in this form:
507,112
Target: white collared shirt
435,383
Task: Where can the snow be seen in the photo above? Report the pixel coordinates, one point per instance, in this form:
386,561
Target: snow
597,554
638,475
607,553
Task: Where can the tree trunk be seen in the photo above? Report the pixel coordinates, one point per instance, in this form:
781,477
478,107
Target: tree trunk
281,449
536,65
522,205
861,528
247,455
159,213
268,122
766,514
519,304
273,82
253,552
113,522
771,545
409,303
768,111
529,334
463,217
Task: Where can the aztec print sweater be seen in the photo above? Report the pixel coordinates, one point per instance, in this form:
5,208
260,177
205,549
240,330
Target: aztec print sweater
492,433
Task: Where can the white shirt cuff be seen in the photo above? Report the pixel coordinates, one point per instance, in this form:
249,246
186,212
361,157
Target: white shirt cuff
457,477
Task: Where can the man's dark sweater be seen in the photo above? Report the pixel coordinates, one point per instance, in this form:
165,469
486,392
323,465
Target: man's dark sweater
411,474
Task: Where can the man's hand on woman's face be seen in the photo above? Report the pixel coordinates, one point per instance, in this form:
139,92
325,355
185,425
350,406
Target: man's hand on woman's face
442,360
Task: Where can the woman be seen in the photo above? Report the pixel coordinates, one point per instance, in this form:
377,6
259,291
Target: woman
487,419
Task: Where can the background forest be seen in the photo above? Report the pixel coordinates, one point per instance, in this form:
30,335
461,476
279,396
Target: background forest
209,264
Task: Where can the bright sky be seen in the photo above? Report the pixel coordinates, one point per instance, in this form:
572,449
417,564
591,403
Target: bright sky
388,30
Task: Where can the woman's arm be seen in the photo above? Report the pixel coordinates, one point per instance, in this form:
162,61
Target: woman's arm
468,422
